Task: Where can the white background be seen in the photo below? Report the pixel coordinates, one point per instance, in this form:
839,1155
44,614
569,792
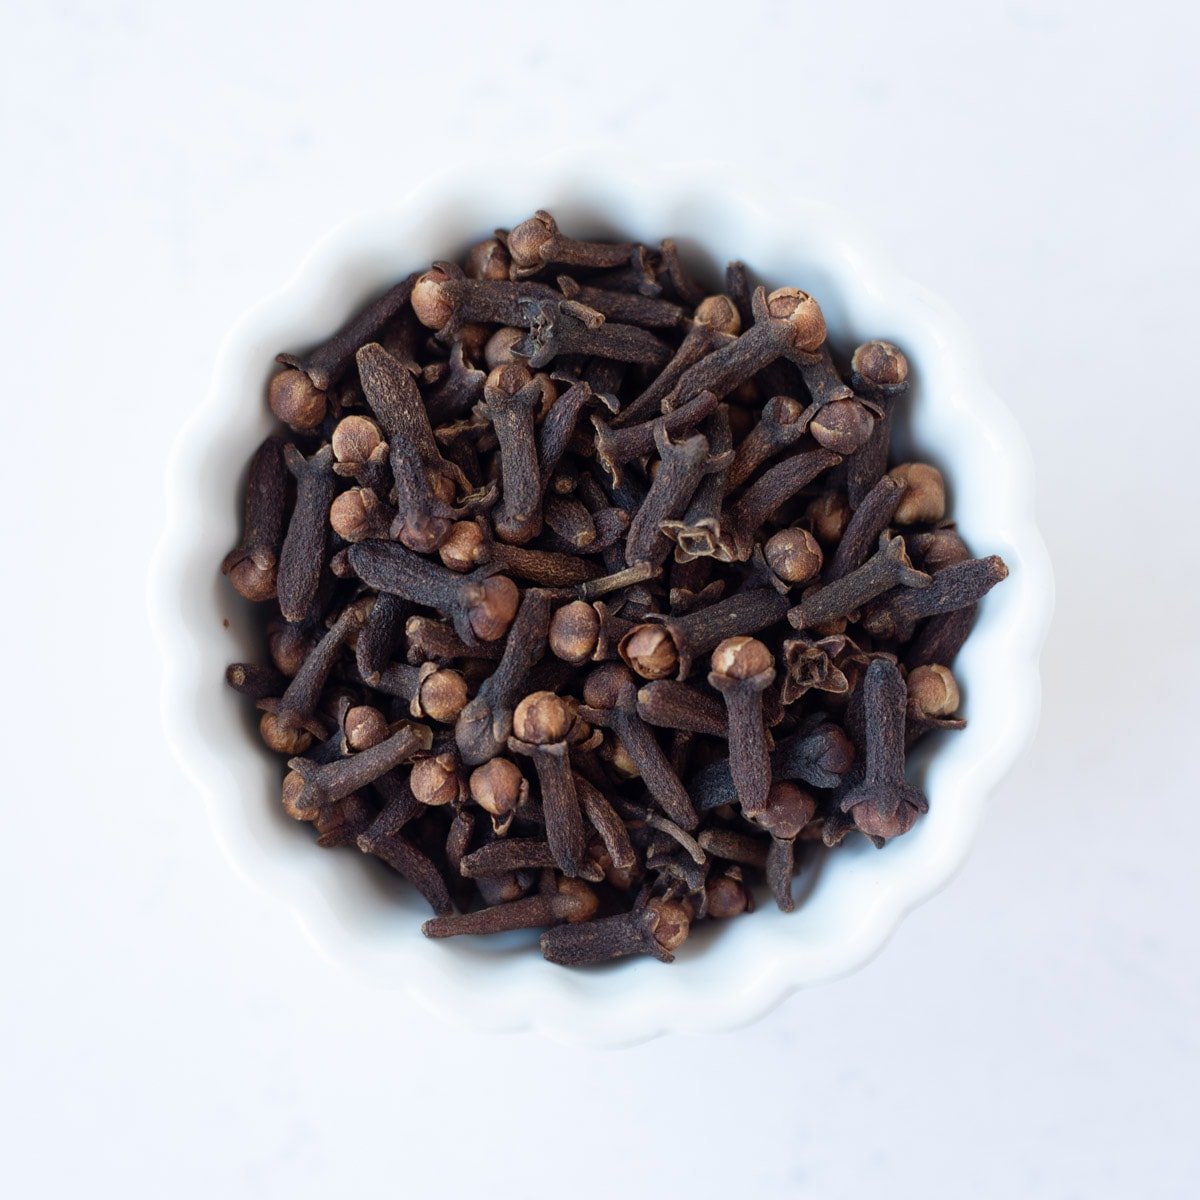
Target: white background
1032,1032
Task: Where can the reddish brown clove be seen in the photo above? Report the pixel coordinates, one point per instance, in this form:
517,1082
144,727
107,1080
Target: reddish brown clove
742,668
251,567
541,724
884,805
573,901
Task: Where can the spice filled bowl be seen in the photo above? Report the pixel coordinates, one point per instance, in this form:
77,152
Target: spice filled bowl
614,629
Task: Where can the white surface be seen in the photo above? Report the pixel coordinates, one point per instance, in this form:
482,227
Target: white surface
858,897
1031,1032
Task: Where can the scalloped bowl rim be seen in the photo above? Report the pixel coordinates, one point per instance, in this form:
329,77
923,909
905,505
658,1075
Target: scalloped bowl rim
860,896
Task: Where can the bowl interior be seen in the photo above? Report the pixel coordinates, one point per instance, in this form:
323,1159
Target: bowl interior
359,913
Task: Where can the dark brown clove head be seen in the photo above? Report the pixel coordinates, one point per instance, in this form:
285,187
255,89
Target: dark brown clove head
881,814
364,726
431,299
253,582
727,897
290,793
528,240
788,809
289,645
435,781
937,549
829,514
282,737
794,555
842,426
487,260
880,366
295,400
719,313
671,923
465,547
611,687
491,605
355,439
802,313
509,378
441,696
742,659
932,690
650,651
923,500
499,347
542,719
356,514
837,751
575,632
498,787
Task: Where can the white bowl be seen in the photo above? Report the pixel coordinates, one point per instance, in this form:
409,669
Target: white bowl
368,921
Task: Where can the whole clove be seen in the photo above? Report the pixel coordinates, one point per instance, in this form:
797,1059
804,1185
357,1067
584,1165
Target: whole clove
251,567
302,556
594,601
879,372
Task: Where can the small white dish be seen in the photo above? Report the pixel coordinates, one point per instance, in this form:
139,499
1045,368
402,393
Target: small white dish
362,918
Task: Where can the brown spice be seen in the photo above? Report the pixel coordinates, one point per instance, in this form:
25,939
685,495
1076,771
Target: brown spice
608,597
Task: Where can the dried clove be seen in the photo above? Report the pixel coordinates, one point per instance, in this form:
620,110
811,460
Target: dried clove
630,308
715,323
883,804
461,547
251,567
572,901
742,668
658,928
326,364
894,615
933,699
469,545
499,788
923,500
421,475
428,640
485,723
787,322
666,647
297,707
313,785
889,568
446,300
616,447
870,520
610,700
771,491
558,327
670,704
793,556
512,395
879,372
780,426
481,605
581,632
302,556
541,725
682,466
381,636
537,243
699,534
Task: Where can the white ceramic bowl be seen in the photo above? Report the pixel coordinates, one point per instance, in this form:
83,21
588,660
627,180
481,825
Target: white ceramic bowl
365,920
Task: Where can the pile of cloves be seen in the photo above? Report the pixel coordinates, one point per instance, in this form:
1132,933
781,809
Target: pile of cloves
594,599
